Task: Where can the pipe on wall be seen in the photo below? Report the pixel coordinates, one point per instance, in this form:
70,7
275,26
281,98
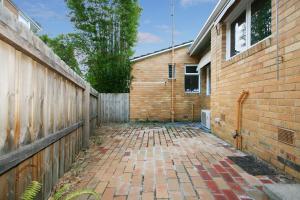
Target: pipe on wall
277,42
173,64
237,135
193,112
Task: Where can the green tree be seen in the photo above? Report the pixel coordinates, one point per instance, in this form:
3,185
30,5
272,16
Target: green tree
63,46
106,33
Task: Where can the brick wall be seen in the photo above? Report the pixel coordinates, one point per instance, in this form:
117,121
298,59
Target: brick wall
204,98
150,94
271,103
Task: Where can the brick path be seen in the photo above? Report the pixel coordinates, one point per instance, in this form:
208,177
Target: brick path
167,162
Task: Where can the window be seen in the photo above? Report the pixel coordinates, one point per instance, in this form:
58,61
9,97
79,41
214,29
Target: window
191,79
238,35
261,14
248,24
172,72
208,81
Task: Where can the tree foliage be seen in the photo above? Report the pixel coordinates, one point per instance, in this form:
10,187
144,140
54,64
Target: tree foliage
106,33
63,46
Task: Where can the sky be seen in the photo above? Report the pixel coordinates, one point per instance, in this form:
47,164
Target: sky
154,32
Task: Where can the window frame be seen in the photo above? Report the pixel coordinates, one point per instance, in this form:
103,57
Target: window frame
173,72
243,6
192,74
208,80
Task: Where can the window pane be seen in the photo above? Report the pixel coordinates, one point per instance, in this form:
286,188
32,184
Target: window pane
171,73
191,69
208,81
261,16
192,83
238,35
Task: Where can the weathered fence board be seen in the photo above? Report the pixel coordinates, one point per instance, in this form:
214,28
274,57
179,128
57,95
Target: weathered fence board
41,112
114,107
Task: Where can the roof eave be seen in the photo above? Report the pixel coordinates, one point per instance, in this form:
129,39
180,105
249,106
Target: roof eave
205,31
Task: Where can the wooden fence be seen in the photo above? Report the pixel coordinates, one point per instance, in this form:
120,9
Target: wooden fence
114,107
93,110
46,112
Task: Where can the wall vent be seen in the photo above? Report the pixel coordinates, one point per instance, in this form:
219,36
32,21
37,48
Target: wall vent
286,136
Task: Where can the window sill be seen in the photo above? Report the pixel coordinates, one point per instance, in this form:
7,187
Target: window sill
265,43
192,93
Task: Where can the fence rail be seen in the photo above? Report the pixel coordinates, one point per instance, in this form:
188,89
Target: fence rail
114,107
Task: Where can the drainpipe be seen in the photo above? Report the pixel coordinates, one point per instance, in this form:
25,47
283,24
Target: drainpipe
237,135
277,42
193,112
173,64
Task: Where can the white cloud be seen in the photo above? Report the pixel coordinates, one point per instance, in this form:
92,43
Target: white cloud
167,29
145,37
41,11
147,21
194,2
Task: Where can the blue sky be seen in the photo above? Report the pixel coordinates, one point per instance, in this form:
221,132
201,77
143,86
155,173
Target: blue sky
155,23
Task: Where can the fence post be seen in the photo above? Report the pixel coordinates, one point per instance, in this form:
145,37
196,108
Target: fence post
86,116
99,109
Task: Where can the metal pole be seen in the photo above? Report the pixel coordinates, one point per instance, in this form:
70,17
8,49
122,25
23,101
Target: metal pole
173,63
277,42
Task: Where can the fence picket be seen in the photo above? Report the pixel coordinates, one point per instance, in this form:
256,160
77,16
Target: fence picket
114,107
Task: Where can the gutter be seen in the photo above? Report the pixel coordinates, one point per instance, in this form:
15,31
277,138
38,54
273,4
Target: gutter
208,25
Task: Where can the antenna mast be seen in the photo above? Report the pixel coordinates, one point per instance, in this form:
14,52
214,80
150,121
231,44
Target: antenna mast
173,62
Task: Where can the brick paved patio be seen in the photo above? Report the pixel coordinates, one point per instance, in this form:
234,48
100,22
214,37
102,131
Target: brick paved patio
166,162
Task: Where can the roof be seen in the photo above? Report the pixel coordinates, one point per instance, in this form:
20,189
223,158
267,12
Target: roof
141,57
203,36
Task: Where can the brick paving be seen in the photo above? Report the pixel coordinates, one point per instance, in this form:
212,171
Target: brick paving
143,161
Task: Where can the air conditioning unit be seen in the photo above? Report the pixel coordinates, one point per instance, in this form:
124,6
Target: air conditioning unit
205,118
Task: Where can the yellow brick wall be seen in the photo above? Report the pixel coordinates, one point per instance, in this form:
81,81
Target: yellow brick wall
150,93
271,103
204,98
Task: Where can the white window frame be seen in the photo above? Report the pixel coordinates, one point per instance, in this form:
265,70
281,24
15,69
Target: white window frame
192,74
208,87
243,6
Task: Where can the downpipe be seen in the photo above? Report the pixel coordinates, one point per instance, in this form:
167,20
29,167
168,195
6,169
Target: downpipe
237,135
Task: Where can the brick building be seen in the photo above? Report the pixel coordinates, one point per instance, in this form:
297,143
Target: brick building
150,94
250,47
